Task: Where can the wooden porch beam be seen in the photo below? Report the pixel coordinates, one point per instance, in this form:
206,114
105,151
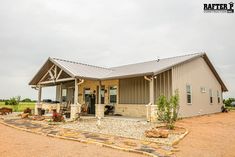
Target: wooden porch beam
51,75
60,80
59,74
46,73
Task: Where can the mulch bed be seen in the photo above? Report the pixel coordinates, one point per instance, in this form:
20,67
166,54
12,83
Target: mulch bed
177,130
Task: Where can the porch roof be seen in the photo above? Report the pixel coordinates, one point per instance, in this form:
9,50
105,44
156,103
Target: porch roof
80,70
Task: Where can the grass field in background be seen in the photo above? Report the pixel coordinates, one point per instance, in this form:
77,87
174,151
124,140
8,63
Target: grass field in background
20,107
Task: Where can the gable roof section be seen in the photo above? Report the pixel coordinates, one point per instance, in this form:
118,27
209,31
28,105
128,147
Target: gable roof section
151,67
80,70
83,70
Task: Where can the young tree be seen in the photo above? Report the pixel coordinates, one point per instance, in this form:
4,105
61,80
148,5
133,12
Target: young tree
168,109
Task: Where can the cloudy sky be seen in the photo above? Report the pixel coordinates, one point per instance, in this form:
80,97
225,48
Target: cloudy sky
108,33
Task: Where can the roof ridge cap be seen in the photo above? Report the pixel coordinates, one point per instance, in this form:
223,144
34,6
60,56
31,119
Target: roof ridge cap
190,54
159,59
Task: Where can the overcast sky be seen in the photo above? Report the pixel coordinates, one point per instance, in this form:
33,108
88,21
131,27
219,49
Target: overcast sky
108,33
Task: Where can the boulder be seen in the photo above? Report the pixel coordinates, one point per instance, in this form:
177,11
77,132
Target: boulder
38,118
24,115
156,133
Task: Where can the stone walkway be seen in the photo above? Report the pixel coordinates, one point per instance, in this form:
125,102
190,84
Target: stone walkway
116,142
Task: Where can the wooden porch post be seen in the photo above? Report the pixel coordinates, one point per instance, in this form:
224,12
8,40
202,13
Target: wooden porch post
76,92
99,108
151,91
151,107
61,93
74,107
38,104
99,93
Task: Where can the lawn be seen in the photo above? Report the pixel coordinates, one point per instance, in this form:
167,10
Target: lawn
20,107
231,107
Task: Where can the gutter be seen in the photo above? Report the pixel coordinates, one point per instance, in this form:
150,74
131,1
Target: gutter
148,79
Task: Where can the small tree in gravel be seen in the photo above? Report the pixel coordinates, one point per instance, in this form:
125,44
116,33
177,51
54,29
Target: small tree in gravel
168,109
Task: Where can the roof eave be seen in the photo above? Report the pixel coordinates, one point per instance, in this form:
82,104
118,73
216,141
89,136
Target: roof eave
31,82
127,76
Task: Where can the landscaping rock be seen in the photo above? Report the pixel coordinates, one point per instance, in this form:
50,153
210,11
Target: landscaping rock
156,133
27,110
24,115
38,118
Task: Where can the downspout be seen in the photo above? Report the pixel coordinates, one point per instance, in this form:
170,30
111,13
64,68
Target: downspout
82,80
148,79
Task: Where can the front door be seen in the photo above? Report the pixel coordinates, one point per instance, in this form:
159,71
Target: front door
90,100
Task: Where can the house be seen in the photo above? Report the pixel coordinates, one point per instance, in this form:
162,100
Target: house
134,89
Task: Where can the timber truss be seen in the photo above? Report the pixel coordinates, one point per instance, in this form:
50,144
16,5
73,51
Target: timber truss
55,75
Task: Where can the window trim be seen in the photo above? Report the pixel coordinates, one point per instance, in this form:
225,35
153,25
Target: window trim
116,93
191,94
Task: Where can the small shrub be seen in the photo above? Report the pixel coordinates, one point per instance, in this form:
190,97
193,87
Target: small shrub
12,101
168,109
7,102
228,101
56,117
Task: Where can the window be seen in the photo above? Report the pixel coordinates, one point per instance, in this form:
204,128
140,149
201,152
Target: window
86,95
64,95
189,94
113,94
218,96
211,96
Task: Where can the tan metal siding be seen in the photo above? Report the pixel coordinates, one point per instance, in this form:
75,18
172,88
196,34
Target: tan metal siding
163,85
197,74
134,91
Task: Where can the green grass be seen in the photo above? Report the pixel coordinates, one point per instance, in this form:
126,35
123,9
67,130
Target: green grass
231,107
20,107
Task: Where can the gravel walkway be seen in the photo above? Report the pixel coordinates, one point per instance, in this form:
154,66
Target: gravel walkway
124,127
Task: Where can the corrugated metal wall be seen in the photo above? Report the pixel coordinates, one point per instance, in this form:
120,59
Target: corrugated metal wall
163,84
133,91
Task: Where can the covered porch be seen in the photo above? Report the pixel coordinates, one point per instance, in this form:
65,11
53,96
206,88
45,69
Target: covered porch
81,95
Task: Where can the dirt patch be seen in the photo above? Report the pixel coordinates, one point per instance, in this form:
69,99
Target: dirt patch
209,136
19,143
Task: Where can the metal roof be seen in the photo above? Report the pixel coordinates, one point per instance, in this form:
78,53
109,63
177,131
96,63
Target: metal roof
80,70
76,69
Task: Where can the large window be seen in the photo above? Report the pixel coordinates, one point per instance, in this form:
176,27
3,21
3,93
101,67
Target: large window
64,95
189,94
86,95
113,94
218,96
211,96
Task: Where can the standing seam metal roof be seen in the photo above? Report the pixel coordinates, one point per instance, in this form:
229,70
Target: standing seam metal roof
95,72
76,69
